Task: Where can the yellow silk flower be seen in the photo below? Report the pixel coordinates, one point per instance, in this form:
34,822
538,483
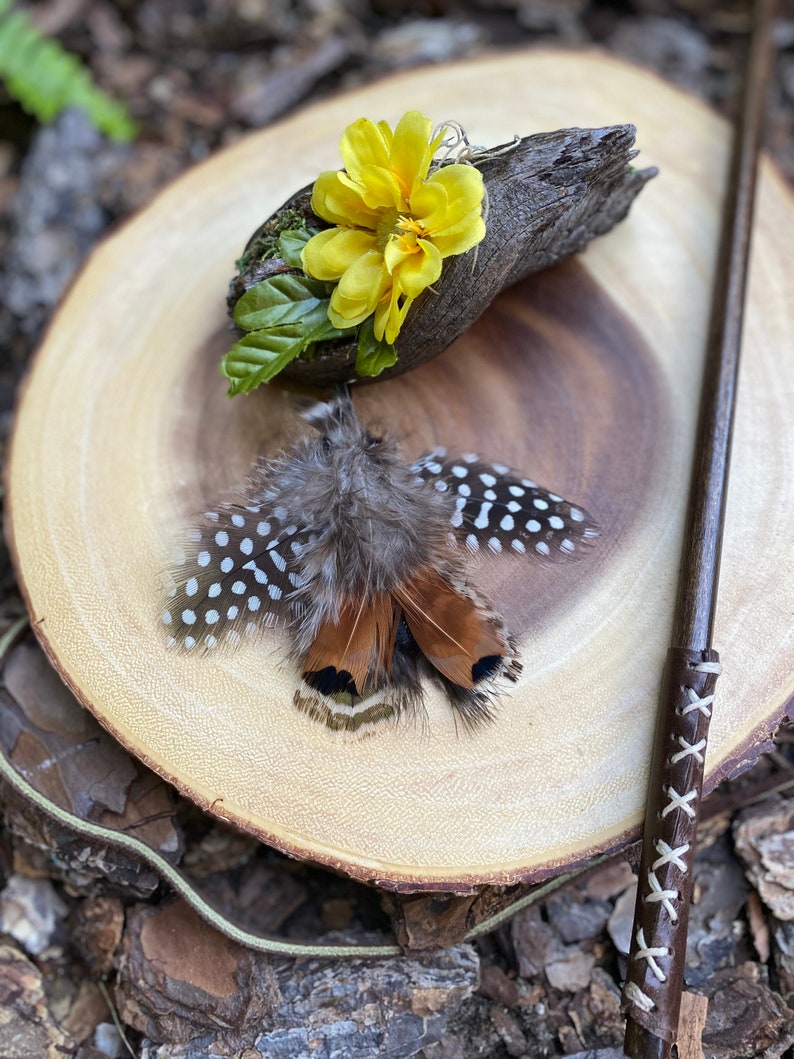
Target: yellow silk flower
394,223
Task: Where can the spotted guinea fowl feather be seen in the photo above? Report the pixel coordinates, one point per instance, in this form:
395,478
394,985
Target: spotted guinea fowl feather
358,554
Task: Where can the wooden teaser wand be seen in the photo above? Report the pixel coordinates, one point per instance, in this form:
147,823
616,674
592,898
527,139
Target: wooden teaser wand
654,981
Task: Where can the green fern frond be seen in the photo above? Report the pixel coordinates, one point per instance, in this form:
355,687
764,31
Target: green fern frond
46,79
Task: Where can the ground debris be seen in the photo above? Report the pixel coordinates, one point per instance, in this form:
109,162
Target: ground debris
30,911
178,978
27,1026
764,837
717,935
356,1009
745,1017
61,748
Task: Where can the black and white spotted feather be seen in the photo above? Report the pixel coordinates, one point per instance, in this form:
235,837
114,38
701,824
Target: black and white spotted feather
501,512
362,557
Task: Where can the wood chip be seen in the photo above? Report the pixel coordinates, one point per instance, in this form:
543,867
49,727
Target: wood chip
572,972
496,985
759,928
88,1010
610,880
99,923
691,1021
622,919
509,1029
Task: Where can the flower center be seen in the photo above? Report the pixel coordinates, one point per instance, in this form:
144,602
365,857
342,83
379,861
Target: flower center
402,227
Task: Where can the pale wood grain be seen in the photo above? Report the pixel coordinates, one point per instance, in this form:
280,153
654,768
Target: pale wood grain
585,378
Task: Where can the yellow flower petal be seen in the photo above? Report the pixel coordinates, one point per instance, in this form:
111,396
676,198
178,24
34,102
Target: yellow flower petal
381,190
463,193
359,290
329,254
338,200
418,270
395,223
462,236
412,151
429,202
394,253
390,314
364,143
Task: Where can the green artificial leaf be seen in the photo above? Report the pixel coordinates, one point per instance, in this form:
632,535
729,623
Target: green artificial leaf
373,356
261,355
291,243
285,316
258,357
278,300
318,328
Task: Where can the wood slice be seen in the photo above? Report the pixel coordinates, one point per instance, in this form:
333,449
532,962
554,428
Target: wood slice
586,378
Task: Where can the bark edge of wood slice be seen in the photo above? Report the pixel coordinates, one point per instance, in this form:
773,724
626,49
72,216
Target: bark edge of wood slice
584,378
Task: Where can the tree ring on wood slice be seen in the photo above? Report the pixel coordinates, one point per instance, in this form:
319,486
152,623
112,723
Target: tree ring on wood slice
585,378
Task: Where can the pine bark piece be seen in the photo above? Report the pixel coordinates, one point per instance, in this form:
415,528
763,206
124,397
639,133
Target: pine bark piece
57,744
783,957
424,921
28,1026
181,981
584,377
326,1011
720,895
509,1029
745,1017
547,196
763,839
178,978
97,932
597,1010
260,895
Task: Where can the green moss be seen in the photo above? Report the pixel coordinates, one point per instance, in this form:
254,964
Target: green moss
264,245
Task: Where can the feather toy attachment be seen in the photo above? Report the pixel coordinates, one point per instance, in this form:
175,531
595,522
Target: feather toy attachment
362,557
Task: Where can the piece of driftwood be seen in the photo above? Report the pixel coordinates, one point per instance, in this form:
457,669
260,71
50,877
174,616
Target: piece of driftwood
547,196
583,376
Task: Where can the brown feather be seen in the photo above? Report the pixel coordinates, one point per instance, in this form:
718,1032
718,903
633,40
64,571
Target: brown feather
453,632
360,643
